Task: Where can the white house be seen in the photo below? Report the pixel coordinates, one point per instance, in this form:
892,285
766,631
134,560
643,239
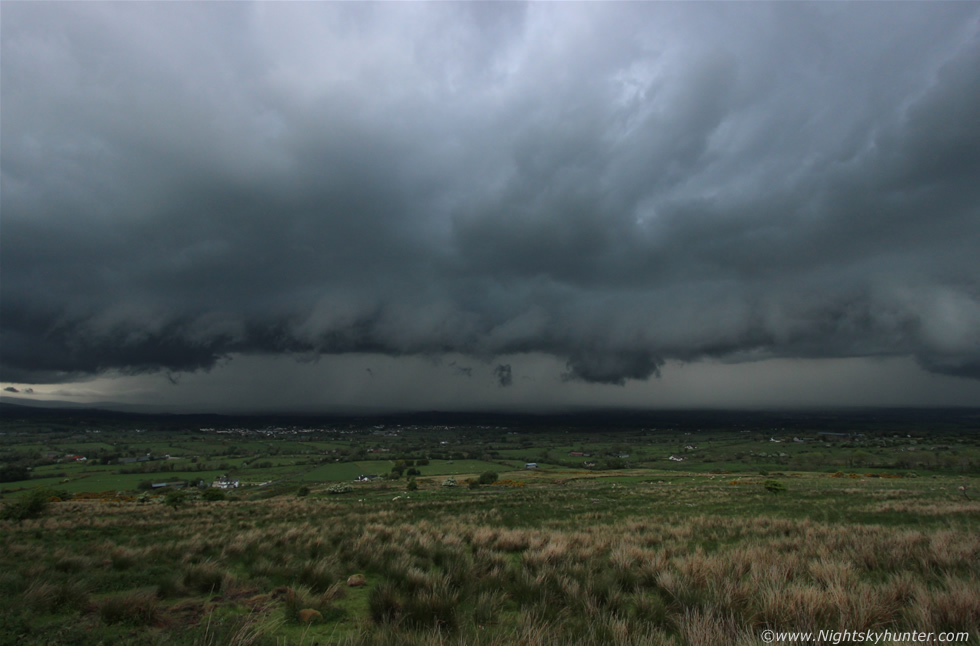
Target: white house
223,482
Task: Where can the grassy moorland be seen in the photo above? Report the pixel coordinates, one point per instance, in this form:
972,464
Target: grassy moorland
789,530
691,560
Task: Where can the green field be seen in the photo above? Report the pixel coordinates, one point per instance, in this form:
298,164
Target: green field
340,471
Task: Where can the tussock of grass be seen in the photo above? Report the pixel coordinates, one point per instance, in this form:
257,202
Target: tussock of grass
48,597
137,609
384,604
169,587
205,577
319,575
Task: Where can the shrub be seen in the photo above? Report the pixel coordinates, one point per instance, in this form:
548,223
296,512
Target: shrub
473,484
13,473
412,485
175,498
774,486
488,477
213,495
449,482
33,505
303,491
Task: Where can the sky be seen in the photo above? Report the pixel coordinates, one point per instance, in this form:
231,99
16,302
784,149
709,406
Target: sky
240,206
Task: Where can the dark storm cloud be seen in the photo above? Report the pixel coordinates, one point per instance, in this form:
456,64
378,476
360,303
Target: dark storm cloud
616,185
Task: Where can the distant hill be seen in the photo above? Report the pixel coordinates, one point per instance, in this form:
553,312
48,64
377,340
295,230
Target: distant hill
898,419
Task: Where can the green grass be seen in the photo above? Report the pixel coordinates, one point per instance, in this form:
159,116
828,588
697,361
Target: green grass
457,467
82,448
346,471
341,471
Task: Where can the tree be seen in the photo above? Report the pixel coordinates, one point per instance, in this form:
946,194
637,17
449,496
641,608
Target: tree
212,495
13,473
31,505
488,477
175,498
615,463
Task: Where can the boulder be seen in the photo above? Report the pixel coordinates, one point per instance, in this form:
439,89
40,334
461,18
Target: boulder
356,580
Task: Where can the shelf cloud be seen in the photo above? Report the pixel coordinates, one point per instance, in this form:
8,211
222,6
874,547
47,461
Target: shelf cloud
613,185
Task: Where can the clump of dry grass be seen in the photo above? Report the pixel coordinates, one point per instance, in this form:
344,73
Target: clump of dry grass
136,608
123,558
205,577
71,563
707,628
49,597
319,575
952,606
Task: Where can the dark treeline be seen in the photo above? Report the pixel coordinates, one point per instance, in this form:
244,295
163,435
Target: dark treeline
829,420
